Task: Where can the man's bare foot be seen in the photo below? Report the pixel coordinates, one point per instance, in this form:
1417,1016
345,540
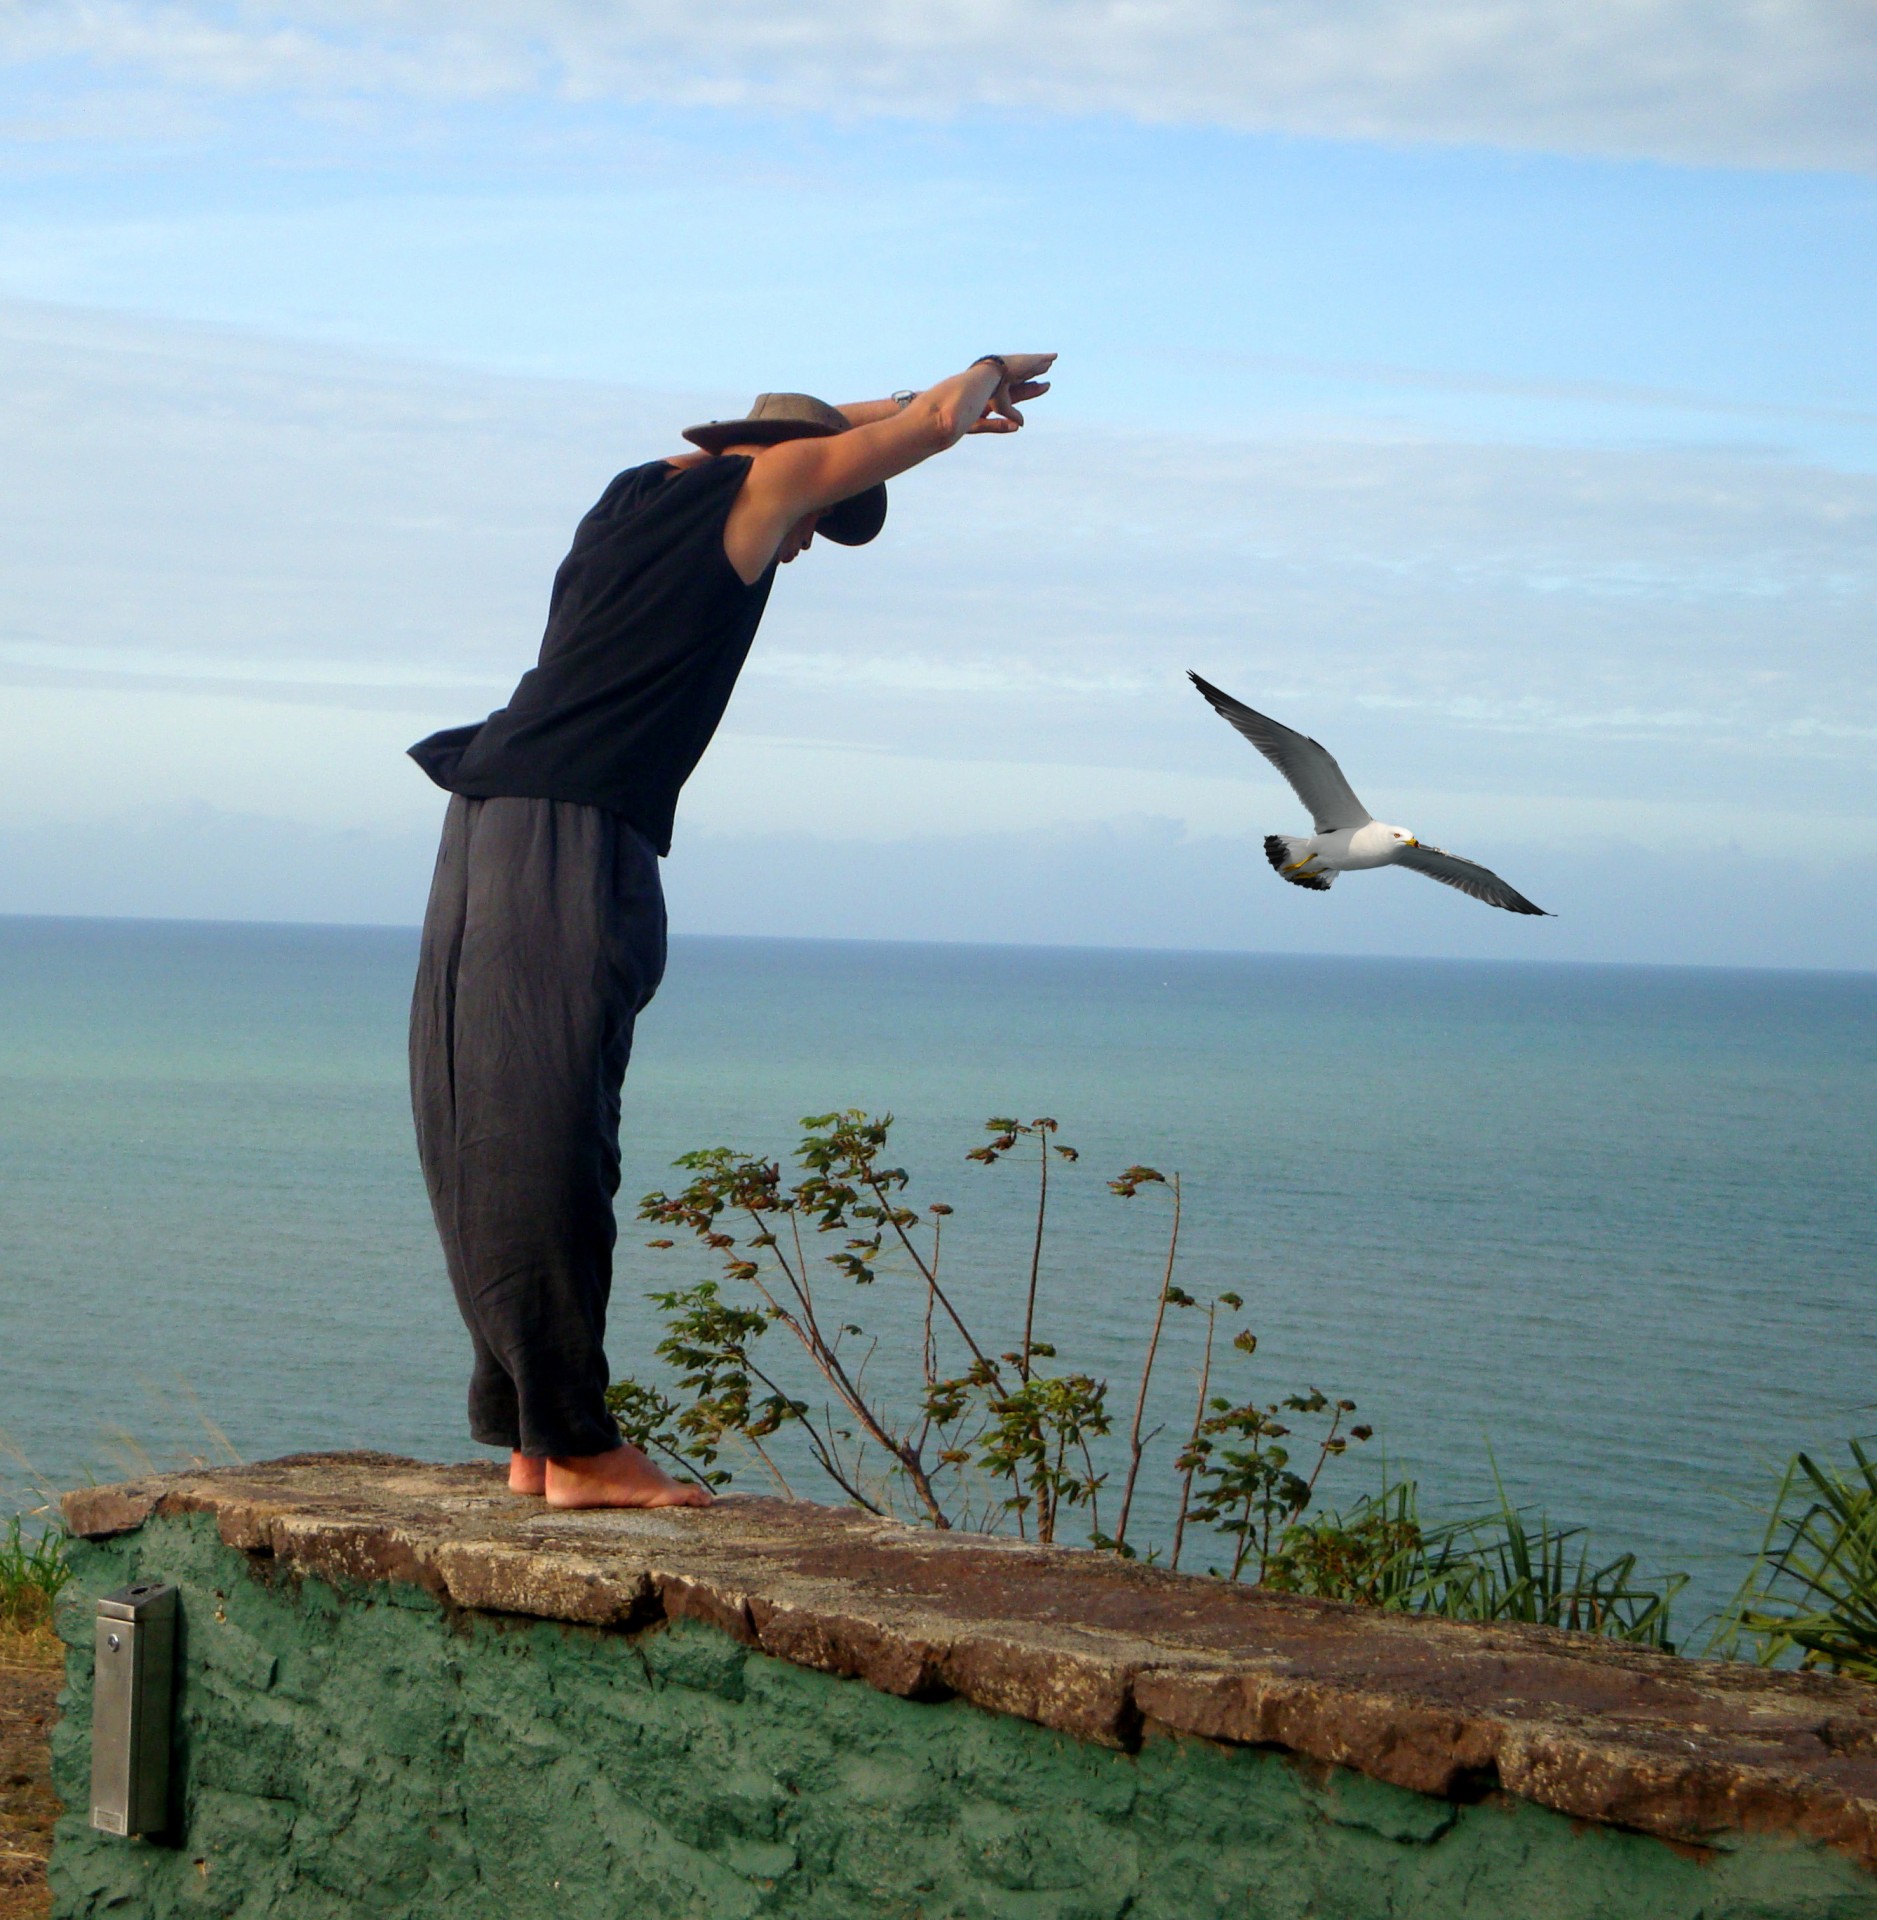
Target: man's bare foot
526,1475
622,1478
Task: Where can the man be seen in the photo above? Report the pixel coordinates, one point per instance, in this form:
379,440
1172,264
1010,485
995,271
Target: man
545,934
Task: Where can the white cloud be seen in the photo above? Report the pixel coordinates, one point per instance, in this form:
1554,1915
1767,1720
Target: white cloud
1732,82
242,576
307,525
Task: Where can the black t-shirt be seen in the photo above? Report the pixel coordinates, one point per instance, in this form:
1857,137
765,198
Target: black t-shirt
647,629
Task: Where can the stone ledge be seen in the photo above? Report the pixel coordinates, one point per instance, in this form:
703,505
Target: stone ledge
1090,1646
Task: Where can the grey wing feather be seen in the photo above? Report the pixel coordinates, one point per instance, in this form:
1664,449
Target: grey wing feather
1468,875
1307,765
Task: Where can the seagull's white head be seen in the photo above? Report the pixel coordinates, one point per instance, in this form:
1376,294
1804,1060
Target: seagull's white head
1402,837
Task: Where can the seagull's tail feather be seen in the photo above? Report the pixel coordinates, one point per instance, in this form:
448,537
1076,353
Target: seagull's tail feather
1284,850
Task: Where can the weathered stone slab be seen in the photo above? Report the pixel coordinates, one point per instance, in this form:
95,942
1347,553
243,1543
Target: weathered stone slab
99,1512
1093,1647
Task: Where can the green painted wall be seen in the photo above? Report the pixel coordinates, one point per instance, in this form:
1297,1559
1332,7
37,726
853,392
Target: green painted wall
366,1753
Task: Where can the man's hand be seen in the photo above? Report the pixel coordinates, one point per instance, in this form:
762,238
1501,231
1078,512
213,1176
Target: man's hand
1020,382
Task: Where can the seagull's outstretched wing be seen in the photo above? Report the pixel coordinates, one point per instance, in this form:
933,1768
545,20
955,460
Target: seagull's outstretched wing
1481,882
1308,767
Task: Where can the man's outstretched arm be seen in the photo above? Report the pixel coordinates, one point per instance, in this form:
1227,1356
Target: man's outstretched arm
866,413
801,477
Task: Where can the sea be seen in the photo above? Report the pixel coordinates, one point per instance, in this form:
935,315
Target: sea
1602,1236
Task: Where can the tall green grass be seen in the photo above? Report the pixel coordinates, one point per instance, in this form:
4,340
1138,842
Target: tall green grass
33,1572
1813,1589
1501,1565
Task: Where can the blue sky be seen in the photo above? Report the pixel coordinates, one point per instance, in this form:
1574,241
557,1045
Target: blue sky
1485,389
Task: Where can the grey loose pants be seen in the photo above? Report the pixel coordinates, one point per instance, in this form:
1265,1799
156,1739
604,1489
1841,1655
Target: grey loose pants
543,941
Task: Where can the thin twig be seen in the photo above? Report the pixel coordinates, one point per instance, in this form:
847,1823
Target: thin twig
1324,1451
1036,1253
930,1347
828,1454
1136,1445
678,1459
815,1344
762,1453
929,1274
803,1292
1192,1445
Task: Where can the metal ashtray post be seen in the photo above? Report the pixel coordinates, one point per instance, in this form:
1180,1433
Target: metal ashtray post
130,1708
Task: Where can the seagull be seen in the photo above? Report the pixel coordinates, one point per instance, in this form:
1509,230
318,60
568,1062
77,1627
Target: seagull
1348,837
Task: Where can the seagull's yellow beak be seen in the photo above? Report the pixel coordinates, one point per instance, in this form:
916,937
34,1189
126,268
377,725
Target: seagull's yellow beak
1412,841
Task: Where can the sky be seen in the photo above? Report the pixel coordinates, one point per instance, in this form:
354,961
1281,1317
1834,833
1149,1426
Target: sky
1482,386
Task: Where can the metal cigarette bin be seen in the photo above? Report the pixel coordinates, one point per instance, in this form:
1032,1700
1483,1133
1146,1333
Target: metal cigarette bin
130,1708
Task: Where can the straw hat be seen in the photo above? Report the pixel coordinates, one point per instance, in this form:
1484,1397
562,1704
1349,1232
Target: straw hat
799,416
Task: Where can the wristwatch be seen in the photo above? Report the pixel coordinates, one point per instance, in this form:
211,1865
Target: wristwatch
904,397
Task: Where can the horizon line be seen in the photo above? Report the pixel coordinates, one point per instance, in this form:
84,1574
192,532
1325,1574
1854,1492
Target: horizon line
412,927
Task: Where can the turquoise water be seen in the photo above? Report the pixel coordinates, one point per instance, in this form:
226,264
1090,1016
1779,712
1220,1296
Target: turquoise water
1615,1222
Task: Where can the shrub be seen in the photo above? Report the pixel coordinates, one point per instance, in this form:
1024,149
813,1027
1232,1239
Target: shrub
993,1435
999,1436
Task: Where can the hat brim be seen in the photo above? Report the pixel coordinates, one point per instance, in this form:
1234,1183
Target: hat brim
714,435
857,519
